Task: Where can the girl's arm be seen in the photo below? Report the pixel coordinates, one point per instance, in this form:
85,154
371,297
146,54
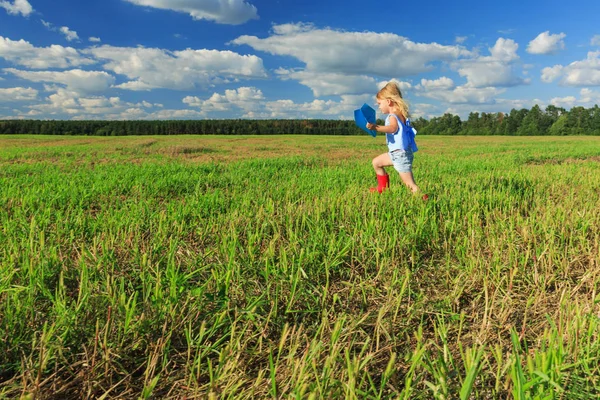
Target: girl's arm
391,128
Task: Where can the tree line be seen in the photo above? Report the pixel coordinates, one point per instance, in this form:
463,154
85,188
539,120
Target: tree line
553,120
180,127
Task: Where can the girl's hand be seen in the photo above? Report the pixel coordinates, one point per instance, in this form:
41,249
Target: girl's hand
372,127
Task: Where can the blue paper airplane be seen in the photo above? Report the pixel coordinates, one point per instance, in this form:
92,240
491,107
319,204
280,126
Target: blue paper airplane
362,116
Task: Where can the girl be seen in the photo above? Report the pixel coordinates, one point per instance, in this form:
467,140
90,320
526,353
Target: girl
400,138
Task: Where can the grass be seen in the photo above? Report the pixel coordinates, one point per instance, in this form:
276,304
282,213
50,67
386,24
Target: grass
262,267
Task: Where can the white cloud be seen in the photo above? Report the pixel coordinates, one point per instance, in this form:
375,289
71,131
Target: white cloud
94,39
595,40
565,102
587,98
241,95
549,74
328,109
75,80
24,53
505,105
443,83
579,73
64,30
17,94
288,109
69,34
316,109
254,105
504,50
75,106
13,117
17,7
352,53
425,110
461,39
245,98
463,94
546,43
61,102
445,90
150,68
136,86
494,70
485,74
232,12
327,84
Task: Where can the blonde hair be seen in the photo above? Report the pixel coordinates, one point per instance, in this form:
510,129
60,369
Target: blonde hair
392,92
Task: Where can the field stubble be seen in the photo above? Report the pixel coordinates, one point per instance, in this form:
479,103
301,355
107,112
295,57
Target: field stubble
261,267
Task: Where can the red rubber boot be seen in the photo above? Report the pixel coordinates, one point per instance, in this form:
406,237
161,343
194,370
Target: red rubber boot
383,182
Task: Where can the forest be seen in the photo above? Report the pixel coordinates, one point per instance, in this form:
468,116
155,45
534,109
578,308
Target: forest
554,121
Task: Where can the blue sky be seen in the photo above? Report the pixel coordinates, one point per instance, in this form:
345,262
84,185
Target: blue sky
196,59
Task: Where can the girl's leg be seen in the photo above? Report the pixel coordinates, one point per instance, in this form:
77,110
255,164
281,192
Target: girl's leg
383,180
409,180
382,160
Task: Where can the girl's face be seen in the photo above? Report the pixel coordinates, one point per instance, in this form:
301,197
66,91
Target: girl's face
384,105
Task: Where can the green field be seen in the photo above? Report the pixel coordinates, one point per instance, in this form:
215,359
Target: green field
262,267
